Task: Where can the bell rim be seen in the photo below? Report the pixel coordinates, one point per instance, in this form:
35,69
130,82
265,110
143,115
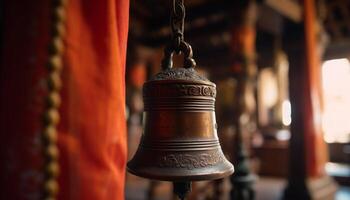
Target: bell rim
196,177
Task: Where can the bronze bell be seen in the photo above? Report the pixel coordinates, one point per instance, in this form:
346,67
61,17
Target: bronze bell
180,141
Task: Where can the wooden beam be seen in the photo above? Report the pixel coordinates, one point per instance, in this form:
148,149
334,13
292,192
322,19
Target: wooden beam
161,19
287,8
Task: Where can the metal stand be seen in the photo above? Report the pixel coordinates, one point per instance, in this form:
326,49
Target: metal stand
242,180
181,189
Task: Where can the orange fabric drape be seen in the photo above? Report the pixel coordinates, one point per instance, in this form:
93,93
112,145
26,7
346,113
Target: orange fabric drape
92,129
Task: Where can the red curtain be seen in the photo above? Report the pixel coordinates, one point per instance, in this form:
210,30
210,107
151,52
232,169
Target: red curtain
92,129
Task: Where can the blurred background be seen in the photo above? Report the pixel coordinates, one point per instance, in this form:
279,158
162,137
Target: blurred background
281,69
280,65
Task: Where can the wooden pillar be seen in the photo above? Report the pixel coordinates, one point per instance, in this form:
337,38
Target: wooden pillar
308,153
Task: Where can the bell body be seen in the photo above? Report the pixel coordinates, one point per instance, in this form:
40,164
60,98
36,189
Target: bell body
180,141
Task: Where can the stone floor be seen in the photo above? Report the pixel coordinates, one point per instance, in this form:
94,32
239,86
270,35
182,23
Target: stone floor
266,188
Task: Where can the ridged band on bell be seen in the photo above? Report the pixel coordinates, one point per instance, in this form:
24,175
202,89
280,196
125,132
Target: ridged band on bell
180,140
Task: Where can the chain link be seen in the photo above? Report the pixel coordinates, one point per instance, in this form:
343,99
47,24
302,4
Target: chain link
177,21
178,45
51,114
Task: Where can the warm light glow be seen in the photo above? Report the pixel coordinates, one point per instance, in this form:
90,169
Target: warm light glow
286,113
269,88
283,135
336,85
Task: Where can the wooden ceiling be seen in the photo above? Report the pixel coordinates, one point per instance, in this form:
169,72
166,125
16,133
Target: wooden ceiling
208,22
150,19
207,28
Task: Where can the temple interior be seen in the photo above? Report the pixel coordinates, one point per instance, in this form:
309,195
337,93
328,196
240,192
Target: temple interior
154,99
271,40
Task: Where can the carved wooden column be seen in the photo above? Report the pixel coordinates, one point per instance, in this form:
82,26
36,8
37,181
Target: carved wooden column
308,153
243,51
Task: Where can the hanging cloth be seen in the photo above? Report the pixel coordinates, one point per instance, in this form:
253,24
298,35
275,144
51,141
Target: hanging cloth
92,128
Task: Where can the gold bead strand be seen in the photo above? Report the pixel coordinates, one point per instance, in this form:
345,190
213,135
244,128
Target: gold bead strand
53,100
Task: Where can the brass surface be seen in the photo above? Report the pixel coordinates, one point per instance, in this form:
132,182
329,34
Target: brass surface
179,142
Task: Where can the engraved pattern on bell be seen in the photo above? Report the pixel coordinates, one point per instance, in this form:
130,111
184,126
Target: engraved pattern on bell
179,90
189,161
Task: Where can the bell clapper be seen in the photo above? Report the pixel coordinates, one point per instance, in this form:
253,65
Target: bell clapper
181,189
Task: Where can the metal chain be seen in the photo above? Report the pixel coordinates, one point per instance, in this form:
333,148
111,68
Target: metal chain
52,100
178,44
177,22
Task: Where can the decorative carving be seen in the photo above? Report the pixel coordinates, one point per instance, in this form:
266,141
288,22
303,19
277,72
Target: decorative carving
179,74
191,161
177,90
